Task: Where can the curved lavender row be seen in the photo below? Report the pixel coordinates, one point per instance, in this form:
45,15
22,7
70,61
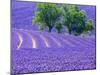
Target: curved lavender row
54,40
60,40
88,39
27,39
27,42
84,42
46,60
40,42
91,40
14,40
78,41
44,39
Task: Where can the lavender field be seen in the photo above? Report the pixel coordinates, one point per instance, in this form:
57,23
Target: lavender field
43,52
35,51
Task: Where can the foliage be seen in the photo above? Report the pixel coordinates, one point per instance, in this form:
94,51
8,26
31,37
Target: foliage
47,15
51,16
89,26
73,18
59,27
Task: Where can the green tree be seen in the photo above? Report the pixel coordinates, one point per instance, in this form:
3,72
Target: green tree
47,15
75,19
68,12
89,26
80,22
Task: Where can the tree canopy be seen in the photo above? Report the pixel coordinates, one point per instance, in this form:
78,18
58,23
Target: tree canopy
47,15
58,16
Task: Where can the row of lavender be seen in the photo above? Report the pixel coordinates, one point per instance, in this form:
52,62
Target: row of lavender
36,39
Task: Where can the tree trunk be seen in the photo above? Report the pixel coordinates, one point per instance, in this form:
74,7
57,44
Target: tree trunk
50,28
59,31
69,28
69,31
